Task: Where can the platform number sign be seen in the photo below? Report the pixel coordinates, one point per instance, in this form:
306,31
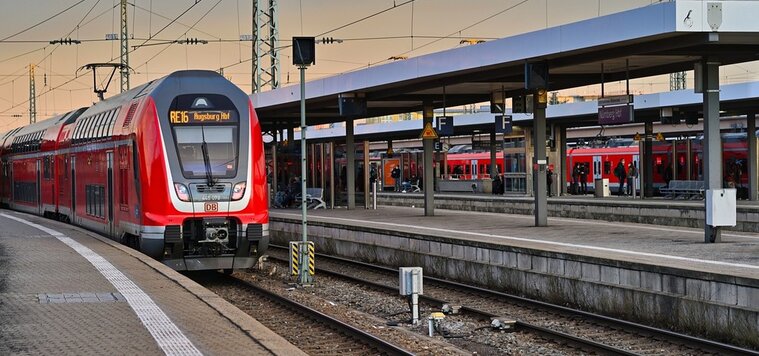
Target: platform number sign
445,125
503,124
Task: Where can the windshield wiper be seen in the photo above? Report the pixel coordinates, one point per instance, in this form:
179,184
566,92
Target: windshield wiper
206,159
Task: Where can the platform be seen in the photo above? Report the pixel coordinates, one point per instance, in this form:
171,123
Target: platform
656,211
660,275
64,290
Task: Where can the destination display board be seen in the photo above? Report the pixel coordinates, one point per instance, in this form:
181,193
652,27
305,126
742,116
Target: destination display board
189,117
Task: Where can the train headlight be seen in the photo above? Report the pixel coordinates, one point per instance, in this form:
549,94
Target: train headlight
182,193
238,190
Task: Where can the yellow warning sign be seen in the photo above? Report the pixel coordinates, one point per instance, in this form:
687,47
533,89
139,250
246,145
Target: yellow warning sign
428,133
636,137
659,137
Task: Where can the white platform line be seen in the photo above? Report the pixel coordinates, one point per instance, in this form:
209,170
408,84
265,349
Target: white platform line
604,223
168,336
402,227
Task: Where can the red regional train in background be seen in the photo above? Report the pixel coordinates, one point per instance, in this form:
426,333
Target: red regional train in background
174,168
600,162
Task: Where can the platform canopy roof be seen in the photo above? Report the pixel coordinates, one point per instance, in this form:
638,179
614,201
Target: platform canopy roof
657,39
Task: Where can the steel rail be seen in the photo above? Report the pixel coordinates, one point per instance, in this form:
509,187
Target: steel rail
369,339
691,341
580,343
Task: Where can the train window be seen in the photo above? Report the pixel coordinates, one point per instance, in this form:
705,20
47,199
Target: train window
46,168
607,167
115,115
86,129
83,129
77,128
103,124
98,122
92,129
217,144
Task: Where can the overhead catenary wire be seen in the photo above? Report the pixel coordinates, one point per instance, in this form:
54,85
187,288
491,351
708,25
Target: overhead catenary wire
182,35
43,21
395,6
196,2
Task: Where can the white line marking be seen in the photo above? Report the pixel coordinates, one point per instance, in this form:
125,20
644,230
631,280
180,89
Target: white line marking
543,242
168,336
604,223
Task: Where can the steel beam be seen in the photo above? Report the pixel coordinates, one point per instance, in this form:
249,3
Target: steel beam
350,156
712,139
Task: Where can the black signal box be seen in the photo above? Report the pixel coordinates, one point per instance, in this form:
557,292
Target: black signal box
304,51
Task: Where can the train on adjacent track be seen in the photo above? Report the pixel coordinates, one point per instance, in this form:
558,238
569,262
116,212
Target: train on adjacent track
675,160
174,168
672,160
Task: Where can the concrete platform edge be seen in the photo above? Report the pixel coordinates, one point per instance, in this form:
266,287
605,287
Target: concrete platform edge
268,339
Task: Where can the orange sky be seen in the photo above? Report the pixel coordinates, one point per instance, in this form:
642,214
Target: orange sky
227,19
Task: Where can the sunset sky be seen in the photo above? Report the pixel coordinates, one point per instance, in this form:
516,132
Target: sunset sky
221,22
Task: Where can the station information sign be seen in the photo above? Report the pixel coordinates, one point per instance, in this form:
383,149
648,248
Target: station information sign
445,125
188,117
503,124
615,110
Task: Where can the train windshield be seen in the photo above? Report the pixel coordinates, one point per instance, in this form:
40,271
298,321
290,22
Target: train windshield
207,150
205,131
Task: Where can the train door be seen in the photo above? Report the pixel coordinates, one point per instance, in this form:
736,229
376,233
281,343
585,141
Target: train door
73,188
597,169
111,205
39,189
475,173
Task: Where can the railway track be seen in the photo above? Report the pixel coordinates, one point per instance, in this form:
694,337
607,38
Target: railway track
574,328
310,330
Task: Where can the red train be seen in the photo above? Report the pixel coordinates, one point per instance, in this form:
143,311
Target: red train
600,162
174,168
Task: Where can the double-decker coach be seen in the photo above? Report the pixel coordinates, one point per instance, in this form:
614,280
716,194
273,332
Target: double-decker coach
174,168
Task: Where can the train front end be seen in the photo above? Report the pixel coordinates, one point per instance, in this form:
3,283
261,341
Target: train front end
204,183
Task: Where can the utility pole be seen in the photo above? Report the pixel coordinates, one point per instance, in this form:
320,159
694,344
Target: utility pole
32,96
124,39
264,44
677,81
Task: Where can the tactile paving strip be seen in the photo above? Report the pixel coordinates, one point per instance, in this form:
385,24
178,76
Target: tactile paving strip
168,336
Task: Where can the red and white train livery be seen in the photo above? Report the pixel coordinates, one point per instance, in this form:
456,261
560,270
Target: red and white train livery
174,167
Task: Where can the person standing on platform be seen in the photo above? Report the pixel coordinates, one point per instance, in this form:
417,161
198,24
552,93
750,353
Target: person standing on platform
632,173
396,175
583,173
621,174
549,180
576,179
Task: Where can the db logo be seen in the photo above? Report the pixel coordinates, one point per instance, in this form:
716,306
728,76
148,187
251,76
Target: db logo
212,207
